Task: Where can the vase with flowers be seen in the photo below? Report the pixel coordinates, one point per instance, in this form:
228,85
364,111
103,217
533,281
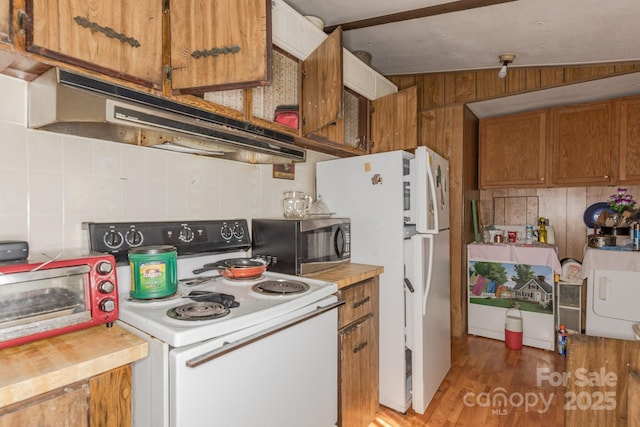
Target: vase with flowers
620,202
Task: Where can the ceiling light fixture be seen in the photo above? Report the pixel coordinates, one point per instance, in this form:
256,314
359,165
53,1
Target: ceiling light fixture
505,59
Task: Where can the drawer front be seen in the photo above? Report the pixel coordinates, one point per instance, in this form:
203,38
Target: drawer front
360,299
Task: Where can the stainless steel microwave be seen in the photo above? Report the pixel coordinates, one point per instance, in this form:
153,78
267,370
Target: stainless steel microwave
301,246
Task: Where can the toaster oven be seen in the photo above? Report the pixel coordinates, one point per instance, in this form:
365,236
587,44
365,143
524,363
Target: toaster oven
43,299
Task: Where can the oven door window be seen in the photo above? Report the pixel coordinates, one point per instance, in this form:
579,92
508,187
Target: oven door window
42,300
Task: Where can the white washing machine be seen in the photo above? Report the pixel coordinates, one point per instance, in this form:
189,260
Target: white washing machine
613,292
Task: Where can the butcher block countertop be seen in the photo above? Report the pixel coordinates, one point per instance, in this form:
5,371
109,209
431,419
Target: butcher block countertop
348,274
41,366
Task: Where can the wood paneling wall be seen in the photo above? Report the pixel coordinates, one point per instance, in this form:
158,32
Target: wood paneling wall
453,133
437,90
447,127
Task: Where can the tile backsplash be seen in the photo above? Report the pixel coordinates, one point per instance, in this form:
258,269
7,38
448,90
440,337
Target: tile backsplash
50,183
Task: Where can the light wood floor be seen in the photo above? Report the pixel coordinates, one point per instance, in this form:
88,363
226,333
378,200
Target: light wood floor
481,370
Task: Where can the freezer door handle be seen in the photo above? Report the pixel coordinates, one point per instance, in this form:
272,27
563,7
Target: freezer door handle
409,285
209,356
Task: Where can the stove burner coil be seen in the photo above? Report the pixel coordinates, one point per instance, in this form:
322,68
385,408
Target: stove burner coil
198,311
280,287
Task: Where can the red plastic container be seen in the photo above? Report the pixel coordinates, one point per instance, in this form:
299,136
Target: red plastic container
513,330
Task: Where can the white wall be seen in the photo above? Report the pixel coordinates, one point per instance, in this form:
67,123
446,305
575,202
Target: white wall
50,183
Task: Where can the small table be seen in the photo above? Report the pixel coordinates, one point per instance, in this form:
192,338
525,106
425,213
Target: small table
523,274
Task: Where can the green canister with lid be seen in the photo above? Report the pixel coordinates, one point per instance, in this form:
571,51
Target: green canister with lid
153,271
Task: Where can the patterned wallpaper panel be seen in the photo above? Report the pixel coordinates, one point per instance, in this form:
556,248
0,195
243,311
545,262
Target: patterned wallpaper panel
233,98
282,91
350,119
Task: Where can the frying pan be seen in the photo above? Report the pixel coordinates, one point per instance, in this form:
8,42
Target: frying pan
236,268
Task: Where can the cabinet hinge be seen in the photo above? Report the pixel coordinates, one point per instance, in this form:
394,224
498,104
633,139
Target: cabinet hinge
304,74
304,120
167,73
372,110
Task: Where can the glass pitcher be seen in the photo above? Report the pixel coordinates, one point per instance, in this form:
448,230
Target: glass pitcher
296,204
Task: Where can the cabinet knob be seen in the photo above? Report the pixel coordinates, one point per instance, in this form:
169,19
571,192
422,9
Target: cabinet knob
606,177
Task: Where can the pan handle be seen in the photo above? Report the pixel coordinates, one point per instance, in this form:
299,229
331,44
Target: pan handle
204,269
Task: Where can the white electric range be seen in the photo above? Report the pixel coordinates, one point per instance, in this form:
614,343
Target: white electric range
276,350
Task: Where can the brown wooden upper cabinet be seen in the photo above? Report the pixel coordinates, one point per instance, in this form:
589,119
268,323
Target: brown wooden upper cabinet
216,43
629,154
512,150
322,85
394,121
6,8
220,44
582,144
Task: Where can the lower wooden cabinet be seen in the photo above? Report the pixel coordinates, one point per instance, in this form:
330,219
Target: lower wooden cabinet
64,407
100,401
359,359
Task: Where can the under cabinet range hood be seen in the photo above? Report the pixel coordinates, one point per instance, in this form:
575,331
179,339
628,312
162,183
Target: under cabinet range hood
66,102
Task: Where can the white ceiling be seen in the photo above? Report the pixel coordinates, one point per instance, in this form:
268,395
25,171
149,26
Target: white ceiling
539,32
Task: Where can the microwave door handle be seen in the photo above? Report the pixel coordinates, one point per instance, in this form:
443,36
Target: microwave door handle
338,242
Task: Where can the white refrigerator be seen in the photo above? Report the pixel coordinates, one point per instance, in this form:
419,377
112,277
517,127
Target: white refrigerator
398,203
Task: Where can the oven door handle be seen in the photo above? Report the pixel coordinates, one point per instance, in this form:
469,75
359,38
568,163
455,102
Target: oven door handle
207,357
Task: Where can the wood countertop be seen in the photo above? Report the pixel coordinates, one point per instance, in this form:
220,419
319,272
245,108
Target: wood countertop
348,274
41,366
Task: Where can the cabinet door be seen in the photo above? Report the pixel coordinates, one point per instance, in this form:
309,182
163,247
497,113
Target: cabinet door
512,150
322,84
6,9
359,373
119,38
220,44
110,398
582,144
394,121
351,130
629,154
64,407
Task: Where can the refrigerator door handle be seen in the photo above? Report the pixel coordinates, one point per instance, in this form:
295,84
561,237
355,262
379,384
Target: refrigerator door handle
409,285
427,285
433,200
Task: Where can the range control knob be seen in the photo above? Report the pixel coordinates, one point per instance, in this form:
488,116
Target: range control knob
238,231
134,237
113,239
186,234
104,267
107,305
106,287
226,232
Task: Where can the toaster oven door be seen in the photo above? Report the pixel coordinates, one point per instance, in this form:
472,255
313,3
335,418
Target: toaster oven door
37,302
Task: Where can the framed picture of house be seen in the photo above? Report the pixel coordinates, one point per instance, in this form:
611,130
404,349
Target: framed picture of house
511,285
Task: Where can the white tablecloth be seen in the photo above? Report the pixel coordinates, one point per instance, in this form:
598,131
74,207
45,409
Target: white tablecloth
605,259
520,254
